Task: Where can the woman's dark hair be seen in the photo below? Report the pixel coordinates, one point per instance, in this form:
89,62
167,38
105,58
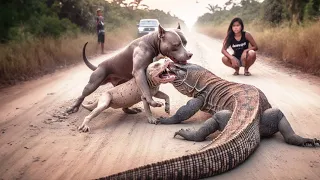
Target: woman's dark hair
230,33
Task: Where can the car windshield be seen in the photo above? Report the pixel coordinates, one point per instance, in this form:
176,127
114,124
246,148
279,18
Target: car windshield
148,23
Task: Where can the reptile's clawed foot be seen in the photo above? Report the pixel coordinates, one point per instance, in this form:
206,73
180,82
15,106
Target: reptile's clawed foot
312,142
161,119
164,120
182,132
132,110
189,135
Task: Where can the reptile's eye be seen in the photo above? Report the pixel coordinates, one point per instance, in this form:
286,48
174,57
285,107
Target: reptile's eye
156,64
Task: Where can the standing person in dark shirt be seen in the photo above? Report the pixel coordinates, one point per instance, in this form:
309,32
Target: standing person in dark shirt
238,39
100,29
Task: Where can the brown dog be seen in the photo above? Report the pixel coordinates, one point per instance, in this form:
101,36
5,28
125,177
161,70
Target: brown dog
128,94
133,60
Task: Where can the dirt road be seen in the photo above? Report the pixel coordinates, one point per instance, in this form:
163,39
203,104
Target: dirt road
39,142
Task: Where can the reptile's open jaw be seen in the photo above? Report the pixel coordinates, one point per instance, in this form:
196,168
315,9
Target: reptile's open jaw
173,67
166,75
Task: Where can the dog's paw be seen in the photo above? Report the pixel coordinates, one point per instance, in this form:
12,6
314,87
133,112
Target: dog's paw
153,120
72,110
132,110
84,128
167,109
155,103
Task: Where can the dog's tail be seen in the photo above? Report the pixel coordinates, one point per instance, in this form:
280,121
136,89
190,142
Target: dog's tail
91,66
90,107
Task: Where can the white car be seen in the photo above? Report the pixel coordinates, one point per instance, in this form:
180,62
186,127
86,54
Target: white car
145,26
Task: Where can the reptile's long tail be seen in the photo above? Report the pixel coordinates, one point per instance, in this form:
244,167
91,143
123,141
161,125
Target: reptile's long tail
91,66
90,107
233,146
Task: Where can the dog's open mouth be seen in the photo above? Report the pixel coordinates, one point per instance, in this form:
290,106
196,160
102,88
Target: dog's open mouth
167,75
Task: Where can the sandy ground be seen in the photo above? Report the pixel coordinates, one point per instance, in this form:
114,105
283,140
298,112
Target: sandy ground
38,142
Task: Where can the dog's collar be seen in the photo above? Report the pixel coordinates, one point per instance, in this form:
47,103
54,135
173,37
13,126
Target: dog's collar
160,48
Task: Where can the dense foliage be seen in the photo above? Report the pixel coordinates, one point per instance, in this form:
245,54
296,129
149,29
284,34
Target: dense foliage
272,12
22,19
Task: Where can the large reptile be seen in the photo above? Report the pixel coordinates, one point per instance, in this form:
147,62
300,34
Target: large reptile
223,99
251,117
128,93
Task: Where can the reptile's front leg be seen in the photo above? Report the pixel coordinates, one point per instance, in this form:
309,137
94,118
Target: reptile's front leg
162,95
184,112
217,122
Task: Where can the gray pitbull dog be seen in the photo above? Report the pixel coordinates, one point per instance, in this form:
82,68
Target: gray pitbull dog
133,60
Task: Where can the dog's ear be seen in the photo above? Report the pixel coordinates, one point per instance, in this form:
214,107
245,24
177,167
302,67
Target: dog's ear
178,26
161,31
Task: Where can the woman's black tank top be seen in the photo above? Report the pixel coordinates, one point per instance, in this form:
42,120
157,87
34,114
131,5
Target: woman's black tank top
239,46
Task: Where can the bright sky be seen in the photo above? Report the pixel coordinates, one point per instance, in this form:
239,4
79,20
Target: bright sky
187,10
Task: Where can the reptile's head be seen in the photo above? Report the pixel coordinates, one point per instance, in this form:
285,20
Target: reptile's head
158,72
187,76
181,75
180,71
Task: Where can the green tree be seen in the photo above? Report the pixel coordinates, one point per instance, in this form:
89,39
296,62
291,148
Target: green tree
13,14
273,11
311,10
